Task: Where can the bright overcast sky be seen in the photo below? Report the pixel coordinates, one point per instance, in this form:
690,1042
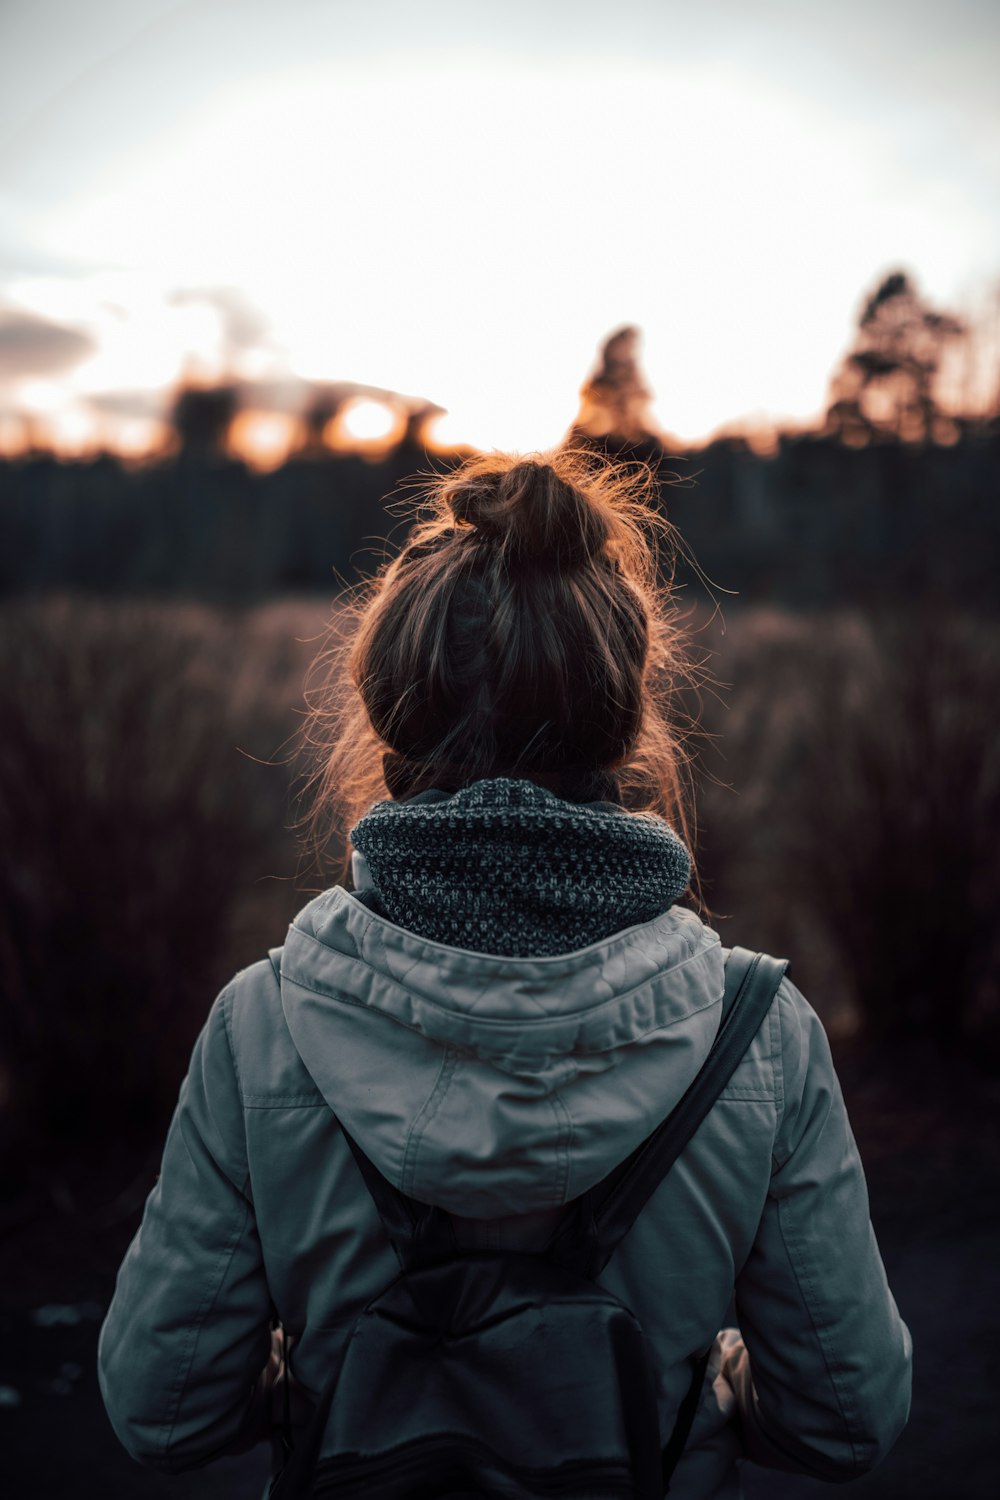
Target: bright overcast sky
458,199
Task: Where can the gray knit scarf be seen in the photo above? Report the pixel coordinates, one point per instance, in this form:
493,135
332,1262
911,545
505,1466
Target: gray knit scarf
508,867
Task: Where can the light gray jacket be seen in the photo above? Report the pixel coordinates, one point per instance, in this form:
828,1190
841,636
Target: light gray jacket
501,1088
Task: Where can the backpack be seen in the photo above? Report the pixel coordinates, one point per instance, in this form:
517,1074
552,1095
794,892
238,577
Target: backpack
514,1376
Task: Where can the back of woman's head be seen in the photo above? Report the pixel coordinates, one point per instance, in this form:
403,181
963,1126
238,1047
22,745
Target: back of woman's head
521,632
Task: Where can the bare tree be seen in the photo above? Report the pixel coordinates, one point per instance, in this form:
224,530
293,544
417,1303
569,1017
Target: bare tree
614,400
888,382
201,417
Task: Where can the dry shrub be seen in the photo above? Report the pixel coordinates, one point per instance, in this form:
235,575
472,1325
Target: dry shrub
861,831
902,828
849,805
139,834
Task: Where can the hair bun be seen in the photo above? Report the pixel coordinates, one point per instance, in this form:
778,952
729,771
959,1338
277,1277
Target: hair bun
530,510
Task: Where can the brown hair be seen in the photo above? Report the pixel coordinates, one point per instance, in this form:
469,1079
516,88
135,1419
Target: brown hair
524,630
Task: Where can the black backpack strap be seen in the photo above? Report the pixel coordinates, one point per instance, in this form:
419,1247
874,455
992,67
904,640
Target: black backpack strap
601,1218
418,1231
752,981
670,1457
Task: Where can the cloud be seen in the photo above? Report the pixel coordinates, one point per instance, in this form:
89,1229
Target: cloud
144,404
31,346
242,325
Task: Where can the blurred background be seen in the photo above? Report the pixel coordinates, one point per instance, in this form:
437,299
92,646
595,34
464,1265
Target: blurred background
260,266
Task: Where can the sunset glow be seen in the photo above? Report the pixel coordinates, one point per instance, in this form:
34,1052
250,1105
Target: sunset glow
372,422
408,210
264,439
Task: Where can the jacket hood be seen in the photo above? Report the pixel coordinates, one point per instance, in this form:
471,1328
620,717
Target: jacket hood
493,1085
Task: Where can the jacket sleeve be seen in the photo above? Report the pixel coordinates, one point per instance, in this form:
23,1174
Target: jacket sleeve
822,1373
188,1331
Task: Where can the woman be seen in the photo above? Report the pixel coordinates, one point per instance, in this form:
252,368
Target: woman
508,1002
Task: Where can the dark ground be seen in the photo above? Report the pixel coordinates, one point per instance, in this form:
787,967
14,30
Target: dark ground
926,1126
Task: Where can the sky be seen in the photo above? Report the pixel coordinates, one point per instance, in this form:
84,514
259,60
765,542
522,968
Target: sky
458,200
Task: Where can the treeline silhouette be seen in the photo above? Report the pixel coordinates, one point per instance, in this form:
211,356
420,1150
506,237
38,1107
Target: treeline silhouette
816,523
892,498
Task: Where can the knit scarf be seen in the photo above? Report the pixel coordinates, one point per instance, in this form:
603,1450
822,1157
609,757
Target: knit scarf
507,867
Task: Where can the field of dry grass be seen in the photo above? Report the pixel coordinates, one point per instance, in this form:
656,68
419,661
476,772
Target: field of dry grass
849,792
849,781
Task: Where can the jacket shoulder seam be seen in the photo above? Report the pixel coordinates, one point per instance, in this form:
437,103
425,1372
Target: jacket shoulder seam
250,1097
228,995
284,1101
227,1003
776,1038
741,1095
